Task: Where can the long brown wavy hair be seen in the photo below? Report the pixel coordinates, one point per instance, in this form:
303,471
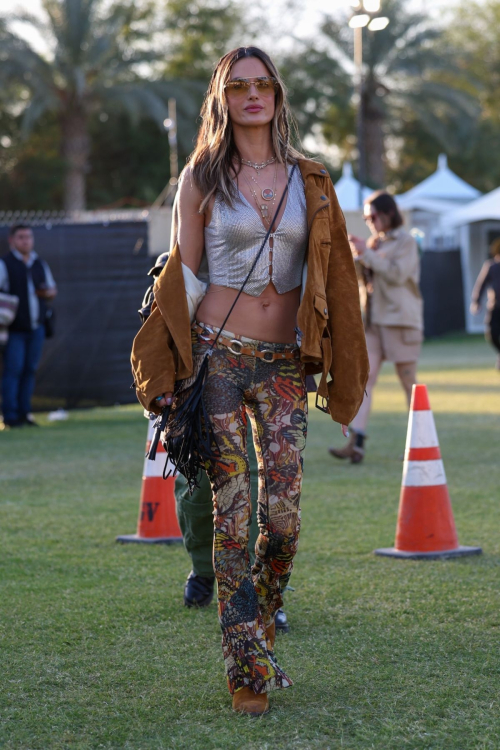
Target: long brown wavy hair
215,155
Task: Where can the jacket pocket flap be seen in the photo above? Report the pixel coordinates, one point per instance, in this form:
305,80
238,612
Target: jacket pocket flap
320,305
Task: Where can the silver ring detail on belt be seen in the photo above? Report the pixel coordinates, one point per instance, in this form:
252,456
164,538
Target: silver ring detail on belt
235,342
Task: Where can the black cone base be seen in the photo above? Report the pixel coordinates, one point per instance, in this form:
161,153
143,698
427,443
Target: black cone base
443,555
148,540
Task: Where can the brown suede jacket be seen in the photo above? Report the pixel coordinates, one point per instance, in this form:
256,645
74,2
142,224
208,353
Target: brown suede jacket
329,316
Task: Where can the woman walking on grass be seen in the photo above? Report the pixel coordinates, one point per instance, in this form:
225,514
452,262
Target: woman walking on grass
299,314
390,267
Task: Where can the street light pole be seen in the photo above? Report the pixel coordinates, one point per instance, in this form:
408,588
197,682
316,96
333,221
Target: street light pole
364,14
358,64
172,142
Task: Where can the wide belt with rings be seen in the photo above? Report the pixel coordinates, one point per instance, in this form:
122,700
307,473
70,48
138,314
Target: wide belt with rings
237,347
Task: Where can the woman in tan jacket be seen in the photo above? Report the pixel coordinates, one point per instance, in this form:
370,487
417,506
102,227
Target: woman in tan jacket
389,266
298,315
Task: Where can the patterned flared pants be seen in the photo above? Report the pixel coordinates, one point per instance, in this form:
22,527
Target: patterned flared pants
273,395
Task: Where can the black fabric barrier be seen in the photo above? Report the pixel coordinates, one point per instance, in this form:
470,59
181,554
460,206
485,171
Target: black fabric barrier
101,274
442,289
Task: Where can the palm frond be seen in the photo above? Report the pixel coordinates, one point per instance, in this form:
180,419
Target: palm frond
449,115
35,109
71,22
21,64
341,37
30,19
138,100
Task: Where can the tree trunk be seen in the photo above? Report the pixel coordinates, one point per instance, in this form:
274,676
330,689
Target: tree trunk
374,135
76,150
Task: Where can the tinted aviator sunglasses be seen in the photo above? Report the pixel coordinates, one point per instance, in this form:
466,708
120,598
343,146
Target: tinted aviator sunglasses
241,86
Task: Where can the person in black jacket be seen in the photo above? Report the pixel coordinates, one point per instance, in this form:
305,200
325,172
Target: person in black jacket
25,275
489,279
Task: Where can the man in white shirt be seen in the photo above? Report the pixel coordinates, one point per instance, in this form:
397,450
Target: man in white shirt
25,275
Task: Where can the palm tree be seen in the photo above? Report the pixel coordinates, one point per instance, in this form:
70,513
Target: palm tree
316,84
91,66
405,67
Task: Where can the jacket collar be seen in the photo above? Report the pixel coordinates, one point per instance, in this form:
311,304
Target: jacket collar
316,195
311,167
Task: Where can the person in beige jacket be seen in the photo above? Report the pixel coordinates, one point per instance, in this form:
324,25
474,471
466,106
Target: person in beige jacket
389,267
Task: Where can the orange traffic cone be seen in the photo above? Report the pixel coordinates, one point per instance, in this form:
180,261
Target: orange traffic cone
157,522
425,528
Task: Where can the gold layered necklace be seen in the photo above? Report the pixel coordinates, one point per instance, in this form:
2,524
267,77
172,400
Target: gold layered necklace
267,194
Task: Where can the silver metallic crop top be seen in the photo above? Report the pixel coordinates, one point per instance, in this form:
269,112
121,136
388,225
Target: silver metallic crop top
234,236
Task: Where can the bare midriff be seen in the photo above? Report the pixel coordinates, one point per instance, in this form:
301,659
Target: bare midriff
269,317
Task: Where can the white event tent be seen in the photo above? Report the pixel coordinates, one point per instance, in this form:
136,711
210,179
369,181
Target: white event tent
437,195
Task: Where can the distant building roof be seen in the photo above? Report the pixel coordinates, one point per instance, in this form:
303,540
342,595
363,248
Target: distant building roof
347,189
442,185
482,209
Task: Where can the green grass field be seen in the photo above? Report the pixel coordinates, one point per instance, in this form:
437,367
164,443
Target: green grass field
97,650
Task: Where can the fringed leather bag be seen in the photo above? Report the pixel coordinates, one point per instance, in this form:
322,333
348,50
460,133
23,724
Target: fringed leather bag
189,440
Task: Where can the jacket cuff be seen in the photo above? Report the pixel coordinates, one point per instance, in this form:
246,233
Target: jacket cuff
147,396
341,411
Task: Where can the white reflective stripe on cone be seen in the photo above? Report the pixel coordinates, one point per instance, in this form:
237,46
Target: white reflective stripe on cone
159,459
151,468
423,473
421,430
155,468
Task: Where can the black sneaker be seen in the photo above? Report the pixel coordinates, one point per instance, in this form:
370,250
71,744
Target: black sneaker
30,422
281,622
198,591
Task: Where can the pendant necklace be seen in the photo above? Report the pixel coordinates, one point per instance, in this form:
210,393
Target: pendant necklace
258,166
267,193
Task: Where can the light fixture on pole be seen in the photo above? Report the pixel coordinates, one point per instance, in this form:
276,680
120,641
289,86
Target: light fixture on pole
378,24
364,14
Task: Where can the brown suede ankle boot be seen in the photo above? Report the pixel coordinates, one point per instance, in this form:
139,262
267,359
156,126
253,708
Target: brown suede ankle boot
346,451
354,449
245,701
